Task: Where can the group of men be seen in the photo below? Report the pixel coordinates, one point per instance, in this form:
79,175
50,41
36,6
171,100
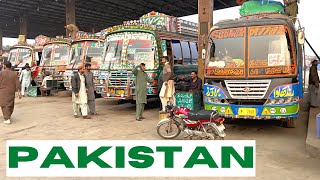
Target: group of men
83,96
165,84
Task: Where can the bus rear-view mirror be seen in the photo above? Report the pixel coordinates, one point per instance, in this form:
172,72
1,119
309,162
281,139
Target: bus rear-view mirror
203,54
301,37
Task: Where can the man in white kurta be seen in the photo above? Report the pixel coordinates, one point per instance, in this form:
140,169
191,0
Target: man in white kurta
167,91
79,94
25,79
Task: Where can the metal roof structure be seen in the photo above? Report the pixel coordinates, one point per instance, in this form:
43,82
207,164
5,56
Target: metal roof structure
47,17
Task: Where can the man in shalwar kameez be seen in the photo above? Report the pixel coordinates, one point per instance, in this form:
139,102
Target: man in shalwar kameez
168,89
90,87
141,89
79,94
9,84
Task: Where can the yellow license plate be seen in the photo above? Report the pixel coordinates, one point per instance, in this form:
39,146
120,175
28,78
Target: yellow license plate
247,112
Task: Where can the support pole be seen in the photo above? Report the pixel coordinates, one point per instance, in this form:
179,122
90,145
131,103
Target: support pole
1,45
70,13
205,14
23,25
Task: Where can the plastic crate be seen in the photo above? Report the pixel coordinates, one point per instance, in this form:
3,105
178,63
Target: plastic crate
190,100
32,92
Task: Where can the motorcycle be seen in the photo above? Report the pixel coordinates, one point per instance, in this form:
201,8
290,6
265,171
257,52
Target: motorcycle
201,124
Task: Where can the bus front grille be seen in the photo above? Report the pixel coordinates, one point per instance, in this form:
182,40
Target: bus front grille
121,74
247,89
121,82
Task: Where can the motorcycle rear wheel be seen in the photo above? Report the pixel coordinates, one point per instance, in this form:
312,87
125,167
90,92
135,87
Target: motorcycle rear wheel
170,127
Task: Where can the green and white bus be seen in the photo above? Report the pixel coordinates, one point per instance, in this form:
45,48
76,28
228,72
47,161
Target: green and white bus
146,40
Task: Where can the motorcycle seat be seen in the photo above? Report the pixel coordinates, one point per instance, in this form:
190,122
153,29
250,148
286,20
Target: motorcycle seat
200,115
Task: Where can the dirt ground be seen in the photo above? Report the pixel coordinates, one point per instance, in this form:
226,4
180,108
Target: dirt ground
280,151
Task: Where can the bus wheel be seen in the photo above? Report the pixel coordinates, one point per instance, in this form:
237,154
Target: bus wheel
290,123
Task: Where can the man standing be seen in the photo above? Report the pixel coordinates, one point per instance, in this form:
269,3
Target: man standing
195,83
141,89
167,90
25,79
314,84
9,84
79,94
90,87
291,8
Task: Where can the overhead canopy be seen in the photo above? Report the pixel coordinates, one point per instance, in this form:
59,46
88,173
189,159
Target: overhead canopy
47,17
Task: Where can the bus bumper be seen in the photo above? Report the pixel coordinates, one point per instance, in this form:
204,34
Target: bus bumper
276,111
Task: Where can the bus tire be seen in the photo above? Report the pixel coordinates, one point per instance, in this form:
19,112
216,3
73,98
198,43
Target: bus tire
290,123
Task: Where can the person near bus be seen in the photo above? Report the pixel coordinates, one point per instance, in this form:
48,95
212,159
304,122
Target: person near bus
314,84
43,88
160,83
141,90
79,94
9,84
195,83
25,79
168,89
291,8
90,87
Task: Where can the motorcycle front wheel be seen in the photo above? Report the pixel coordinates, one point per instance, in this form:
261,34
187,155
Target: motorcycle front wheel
168,129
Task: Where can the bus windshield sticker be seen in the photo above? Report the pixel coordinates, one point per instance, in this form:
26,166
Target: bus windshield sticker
228,33
225,72
276,60
283,70
267,30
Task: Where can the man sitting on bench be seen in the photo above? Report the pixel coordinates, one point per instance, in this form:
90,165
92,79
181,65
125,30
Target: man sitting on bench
44,89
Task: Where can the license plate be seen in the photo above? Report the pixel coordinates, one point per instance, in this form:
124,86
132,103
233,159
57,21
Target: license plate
247,112
221,128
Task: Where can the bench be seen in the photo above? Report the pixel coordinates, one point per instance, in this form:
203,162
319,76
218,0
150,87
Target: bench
50,85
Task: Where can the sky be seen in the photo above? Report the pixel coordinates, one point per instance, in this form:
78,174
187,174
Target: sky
308,14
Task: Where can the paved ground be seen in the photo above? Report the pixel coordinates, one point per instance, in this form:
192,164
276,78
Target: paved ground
280,152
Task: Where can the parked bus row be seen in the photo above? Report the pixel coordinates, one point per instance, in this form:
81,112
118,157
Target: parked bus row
253,65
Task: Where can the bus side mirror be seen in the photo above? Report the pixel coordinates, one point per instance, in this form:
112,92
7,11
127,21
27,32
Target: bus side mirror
301,37
203,54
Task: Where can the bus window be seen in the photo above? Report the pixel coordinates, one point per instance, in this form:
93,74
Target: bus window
194,52
177,54
186,52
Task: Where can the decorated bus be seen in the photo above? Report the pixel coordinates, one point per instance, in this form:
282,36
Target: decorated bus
23,53
87,48
54,59
145,40
254,68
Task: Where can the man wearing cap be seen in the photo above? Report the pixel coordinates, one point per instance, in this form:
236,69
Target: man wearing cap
79,94
314,84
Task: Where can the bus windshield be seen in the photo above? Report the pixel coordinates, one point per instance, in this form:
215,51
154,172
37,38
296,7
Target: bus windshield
76,52
55,55
226,53
20,56
270,53
93,52
139,48
114,50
